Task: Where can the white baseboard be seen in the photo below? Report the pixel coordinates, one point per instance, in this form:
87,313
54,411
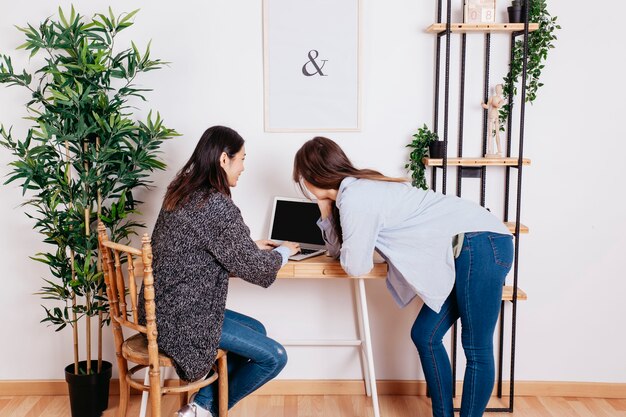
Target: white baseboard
354,387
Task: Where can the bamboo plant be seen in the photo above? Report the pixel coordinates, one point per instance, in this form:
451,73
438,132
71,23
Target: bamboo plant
82,158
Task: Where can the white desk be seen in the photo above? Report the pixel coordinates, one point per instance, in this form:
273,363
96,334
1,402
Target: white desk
324,267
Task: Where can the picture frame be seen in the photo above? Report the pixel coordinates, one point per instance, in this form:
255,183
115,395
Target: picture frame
479,11
311,60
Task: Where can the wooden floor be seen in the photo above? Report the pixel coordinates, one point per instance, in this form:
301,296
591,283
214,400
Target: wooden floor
330,406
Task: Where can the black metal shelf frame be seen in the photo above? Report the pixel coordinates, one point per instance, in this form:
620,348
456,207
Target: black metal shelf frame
481,172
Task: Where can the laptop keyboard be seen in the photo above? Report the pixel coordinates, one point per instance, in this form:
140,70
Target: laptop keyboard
307,251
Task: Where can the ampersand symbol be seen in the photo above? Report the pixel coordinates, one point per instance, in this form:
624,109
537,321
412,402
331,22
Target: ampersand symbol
312,61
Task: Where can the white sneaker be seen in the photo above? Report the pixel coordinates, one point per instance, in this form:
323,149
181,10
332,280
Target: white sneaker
193,410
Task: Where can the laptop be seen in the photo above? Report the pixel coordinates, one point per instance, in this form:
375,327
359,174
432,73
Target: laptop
295,220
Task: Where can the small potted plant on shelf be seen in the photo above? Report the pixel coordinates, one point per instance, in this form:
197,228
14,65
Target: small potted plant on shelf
422,145
80,162
516,12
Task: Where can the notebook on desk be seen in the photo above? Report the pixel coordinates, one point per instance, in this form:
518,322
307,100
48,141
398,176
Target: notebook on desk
295,220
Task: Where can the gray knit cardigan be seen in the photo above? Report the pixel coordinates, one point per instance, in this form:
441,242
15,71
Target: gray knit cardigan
196,247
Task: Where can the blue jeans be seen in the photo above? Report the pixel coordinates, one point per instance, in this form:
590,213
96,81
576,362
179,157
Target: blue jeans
253,359
481,269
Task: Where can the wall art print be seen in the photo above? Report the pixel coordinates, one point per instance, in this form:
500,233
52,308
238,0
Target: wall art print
311,65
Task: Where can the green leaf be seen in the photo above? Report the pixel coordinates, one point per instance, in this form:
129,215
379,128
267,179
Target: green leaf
25,30
128,16
137,55
58,95
112,16
34,52
62,16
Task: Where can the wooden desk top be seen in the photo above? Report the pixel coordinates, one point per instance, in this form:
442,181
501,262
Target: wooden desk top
325,267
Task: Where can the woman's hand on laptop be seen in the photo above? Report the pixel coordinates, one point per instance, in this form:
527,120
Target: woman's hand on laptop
293,247
266,244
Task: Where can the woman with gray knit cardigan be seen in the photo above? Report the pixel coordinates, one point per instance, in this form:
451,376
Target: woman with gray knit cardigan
199,240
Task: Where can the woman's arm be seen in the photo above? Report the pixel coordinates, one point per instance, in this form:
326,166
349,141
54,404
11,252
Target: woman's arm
228,240
239,255
326,225
360,230
333,246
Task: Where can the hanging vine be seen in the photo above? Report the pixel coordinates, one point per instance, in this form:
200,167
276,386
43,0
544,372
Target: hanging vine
539,44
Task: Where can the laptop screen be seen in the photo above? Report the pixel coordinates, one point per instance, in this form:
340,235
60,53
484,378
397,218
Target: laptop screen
295,221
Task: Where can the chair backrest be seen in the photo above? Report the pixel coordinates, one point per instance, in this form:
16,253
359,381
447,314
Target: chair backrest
119,266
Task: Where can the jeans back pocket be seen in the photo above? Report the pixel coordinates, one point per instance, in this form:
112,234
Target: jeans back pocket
502,246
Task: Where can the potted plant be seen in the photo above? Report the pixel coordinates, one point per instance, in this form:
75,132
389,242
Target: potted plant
540,42
516,13
80,162
422,141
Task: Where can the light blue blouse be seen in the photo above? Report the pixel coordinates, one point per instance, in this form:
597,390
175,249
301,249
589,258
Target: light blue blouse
284,252
411,228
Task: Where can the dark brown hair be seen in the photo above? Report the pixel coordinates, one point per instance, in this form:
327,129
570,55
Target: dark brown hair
321,162
203,170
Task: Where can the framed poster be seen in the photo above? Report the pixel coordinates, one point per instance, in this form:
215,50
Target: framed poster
311,65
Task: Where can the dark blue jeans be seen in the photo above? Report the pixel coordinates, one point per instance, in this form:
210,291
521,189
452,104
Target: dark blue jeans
481,269
253,359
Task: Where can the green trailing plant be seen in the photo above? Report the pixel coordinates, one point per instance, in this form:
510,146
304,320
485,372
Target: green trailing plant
83,157
421,140
539,44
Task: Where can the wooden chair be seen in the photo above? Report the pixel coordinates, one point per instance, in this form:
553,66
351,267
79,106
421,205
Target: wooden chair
141,348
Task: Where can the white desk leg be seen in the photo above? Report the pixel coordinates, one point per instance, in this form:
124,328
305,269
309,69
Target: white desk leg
361,336
144,395
368,346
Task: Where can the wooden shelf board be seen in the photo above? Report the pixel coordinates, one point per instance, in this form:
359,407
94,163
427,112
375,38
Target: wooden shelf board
481,27
325,267
522,228
474,162
507,294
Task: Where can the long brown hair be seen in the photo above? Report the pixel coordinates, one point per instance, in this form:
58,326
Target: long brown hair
203,170
321,162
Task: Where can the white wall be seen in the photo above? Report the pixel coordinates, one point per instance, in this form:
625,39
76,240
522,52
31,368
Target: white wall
570,329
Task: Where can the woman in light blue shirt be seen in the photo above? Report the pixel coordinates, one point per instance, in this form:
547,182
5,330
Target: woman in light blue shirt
450,252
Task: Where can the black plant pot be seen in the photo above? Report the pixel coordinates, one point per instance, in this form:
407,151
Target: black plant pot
436,149
516,14
89,394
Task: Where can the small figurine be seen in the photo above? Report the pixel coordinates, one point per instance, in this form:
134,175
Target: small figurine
493,105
